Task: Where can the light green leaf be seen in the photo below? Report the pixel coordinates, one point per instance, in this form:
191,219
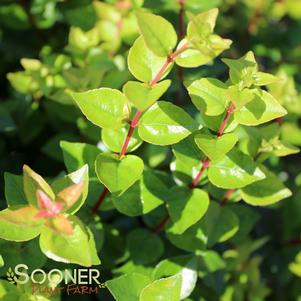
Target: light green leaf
78,154
163,289
143,63
186,266
158,34
17,223
236,170
118,175
113,139
14,193
32,182
209,95
215,148
165,123
243,70
78,248
142,96
79,176
265,192
186,207
105,107
1,261
140,242
144,196
127,287
295,267
239,97
263,79
263,108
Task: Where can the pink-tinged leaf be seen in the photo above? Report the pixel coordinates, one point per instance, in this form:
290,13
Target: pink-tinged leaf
48,208
21,215
70,195
60,224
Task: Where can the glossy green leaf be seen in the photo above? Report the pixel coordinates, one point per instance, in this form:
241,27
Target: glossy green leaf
17,223
239,97
263,108
263,79
13,190
32,182
114,139
186,266
165,123
127,287
209,95
216,148
163,289
265,192
78,248
236,170
78,154
140,242
106,108
144,196
158,34
186,207
79,176
142,96
143,63
118,175
242,70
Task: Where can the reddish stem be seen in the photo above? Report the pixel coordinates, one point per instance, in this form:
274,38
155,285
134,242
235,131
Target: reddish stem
169,60
205,165
223,125
227,196
181,18
292,242
133,124
100,200
161,225
135,120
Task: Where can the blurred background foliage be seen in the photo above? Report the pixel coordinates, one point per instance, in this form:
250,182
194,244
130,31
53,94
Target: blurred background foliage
51,47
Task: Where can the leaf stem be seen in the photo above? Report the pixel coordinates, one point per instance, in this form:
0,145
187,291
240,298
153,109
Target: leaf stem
134,122
227,196
205,165
169,60
181,18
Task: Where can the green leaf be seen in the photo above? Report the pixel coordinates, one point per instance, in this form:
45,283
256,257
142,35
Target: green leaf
105,107
143,63
263,108
32,182
209,95
265,192
243,70
186,265
17,223
186,207
78,248
158,34
215,148
79,176
142,96
239,97
163,289
1,261
140,242
295,267
218,225
263,79
118,175
144,196
14,193
114,139
78,154
165,123
127,287
236,170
